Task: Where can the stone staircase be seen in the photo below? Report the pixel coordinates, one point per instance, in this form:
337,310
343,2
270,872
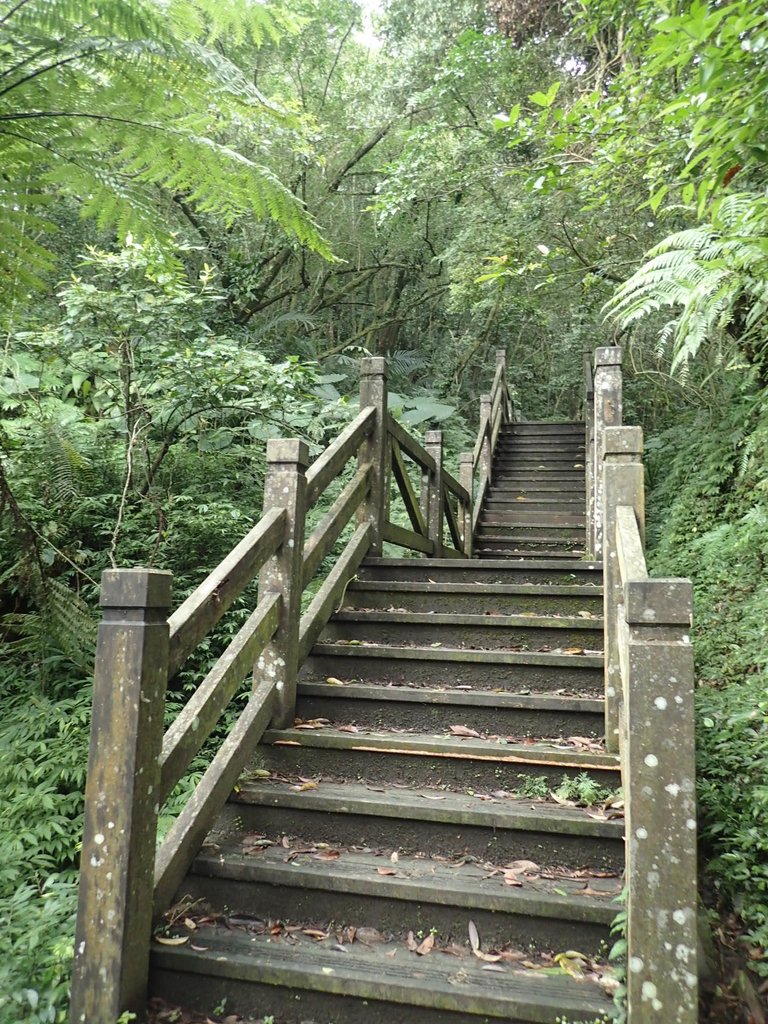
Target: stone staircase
408,850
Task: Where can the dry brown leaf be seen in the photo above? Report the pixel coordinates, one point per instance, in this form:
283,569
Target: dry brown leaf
411,942
327,855
492,967
348,728
490,958
172,940
426,946
394,857
474,938
573,650
462,730
385,871
391,953
316,934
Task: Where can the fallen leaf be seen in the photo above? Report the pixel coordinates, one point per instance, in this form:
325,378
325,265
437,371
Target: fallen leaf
327,855
385,871
426,946
391,953
316,934
573,650
462,730
305,786
333,681
490,958
492,967
394,857
411,942
368,936
433,796
172,940
474,938
348,728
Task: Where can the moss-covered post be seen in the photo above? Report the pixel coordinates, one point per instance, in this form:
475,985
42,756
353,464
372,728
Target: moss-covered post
589,444
433,445
375,448
501,361
608,402
285,487
114,916
662,974
623,484
485,451
467,482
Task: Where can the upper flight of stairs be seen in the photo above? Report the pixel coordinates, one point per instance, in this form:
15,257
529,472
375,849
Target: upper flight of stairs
441,697
536,502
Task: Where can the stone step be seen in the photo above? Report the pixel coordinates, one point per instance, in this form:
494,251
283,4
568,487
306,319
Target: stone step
552,505
255,975
521,514
539,427
526,555
514,527
488,632
528,537
537,489
423,759
475,597
429,709
439,666
419,894
499,828
462,570
536,464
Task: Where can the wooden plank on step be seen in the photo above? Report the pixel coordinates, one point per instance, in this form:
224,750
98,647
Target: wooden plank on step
333,522
183,842
326,468
193,619
332,591
411,502
197,720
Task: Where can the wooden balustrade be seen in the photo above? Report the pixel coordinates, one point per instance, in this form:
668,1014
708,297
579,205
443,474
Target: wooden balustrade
133,767
649,711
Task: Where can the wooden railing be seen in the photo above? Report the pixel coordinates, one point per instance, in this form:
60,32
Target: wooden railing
649,720
127,880
496,409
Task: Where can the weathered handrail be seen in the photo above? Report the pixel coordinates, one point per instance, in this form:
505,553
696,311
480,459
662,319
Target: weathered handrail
495,410
205,606
649,718
133,766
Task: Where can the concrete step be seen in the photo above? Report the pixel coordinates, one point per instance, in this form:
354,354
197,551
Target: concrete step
476,597
462,570
539,427
522,517
485,632
511,526
497,551
419,894
537,489
429,709
500,828
423,759
255,975
536,463
440,666
551,504
515,539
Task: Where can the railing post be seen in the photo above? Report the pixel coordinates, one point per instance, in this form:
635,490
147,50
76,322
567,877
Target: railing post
607,414
589,445
501,361
623,484
485,453
375,449
114,916
467,482
433,445
660,804
285,486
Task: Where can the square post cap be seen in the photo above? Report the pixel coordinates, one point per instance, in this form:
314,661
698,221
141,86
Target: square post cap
623,441
374,366
136,588
608,356
287,450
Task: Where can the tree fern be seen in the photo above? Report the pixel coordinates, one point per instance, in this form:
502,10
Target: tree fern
715,273
126,105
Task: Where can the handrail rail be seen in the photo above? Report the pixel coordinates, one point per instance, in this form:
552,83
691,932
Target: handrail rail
201,611
126,880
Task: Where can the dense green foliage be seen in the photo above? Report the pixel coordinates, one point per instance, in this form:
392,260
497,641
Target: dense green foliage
209,210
